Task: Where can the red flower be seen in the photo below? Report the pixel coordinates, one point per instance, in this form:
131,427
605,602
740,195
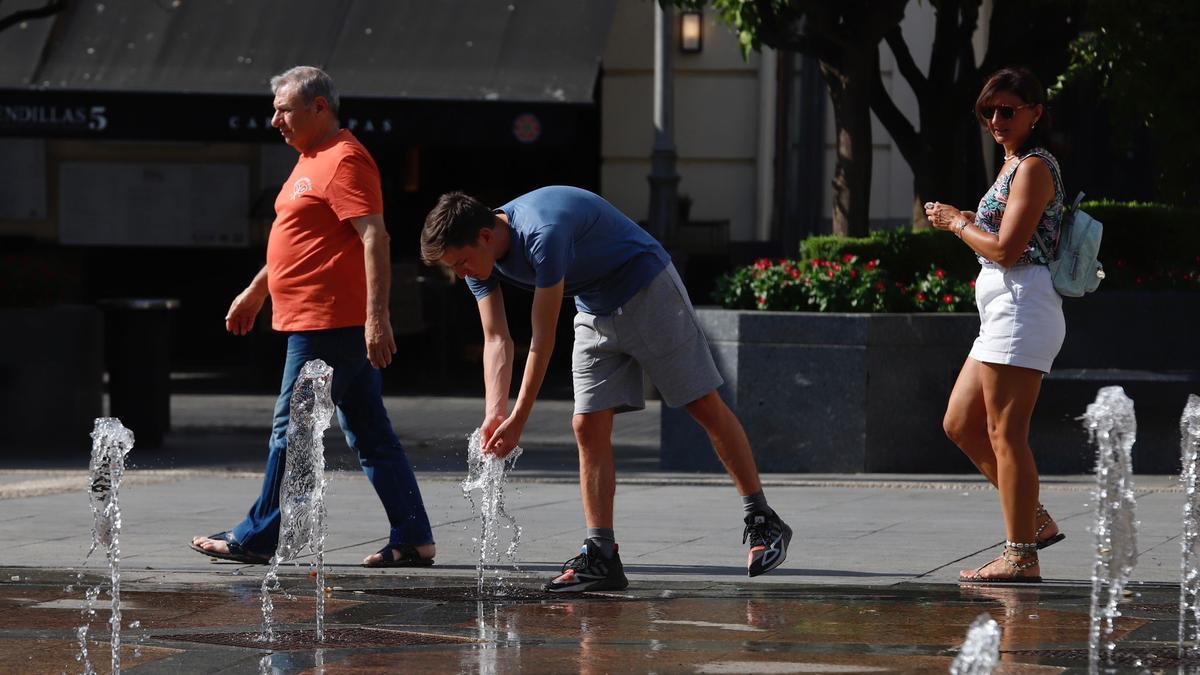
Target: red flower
941,274
836,267
849,257
947,299
880,286
795,273
920,296
762,300
830,273
782,261
853,273
762,263
872,264
972,283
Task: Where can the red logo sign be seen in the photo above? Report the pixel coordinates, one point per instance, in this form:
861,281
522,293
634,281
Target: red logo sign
527,128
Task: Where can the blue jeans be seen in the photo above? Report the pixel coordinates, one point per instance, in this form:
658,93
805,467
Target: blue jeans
364,420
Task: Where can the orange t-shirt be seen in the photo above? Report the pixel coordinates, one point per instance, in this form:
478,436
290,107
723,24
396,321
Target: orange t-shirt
315,267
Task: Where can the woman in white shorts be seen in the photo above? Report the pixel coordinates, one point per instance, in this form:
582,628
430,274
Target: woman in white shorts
1021,325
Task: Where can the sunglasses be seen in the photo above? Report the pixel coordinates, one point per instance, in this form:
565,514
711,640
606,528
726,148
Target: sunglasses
1006,111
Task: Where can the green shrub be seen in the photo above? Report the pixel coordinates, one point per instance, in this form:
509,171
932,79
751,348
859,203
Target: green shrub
1145,247
903,252
1148,246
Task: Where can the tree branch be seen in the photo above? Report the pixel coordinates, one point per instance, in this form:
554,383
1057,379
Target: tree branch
903,134
905,62
50,8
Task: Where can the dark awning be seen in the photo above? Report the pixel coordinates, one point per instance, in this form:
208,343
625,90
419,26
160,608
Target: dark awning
535,51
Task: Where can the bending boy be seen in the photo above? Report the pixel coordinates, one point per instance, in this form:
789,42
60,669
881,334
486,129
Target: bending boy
633,315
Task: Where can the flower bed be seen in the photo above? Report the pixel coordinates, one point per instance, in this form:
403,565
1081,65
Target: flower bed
848,284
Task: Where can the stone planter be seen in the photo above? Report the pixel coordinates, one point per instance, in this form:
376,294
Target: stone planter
51,370
841,393
1145,342
852,393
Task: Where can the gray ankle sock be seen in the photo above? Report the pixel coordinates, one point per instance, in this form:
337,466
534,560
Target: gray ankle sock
755,503
603,538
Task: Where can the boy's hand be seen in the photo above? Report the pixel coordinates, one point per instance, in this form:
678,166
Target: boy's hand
487,428
505,438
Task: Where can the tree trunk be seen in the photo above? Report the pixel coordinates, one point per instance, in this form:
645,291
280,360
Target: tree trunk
849,85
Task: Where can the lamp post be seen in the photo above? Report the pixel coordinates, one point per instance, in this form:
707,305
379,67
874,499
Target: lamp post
664,181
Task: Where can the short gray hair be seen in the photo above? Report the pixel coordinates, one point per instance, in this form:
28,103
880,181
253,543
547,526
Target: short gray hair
310,82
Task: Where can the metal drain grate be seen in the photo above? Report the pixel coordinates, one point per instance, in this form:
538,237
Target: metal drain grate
335,638
467,594
1149,657
1156,608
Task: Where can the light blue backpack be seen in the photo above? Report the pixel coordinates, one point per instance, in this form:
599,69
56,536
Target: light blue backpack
1075,269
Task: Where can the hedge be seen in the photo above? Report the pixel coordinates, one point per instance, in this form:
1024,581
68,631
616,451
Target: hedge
1145,246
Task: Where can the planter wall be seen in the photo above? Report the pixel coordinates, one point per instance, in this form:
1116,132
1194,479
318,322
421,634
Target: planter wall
831,392
851,393
1145,342
51,370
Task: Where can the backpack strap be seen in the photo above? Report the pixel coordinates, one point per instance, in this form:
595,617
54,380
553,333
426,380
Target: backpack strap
1068,216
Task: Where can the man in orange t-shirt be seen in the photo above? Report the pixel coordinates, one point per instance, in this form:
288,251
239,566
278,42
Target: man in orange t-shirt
328,273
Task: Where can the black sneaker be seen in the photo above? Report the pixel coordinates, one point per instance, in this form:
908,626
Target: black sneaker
590,571
769,537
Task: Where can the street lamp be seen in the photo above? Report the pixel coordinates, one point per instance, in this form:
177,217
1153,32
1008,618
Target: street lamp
691,32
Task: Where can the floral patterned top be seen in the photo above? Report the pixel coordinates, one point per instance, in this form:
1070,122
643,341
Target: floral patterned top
990,211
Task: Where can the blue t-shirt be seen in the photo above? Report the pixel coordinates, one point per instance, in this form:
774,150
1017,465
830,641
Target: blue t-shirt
562,232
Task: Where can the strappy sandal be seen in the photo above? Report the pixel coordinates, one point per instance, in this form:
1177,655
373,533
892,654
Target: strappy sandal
408,557
1048,541
237,553
1012,556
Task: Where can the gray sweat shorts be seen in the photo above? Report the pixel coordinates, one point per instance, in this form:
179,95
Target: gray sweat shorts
655,331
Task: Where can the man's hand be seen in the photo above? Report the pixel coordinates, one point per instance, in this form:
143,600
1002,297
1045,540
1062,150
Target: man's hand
505,438
381,344
242,312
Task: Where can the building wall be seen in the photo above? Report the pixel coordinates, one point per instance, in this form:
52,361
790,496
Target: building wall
716,121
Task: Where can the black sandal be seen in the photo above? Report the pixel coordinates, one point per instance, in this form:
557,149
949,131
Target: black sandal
1048,541
408,557
236,552
1012,555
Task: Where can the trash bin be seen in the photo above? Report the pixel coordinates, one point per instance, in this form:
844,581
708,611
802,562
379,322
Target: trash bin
137,354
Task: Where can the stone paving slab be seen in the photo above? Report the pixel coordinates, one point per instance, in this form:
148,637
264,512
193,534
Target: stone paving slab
868,535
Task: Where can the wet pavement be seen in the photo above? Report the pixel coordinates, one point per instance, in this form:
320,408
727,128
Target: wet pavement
868,585
390,623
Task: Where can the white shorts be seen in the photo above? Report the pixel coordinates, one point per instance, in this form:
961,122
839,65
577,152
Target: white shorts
1020,317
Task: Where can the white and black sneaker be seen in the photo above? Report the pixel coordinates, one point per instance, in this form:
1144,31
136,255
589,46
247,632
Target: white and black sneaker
590,571
769,537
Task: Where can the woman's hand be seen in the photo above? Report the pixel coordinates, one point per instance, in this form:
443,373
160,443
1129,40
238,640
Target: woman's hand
942,216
